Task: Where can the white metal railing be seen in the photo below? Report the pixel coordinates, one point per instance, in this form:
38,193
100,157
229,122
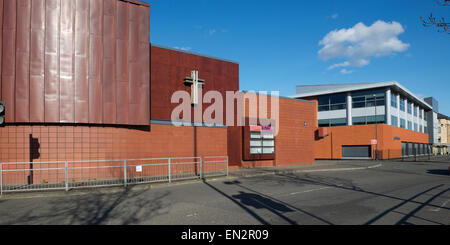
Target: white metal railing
66,175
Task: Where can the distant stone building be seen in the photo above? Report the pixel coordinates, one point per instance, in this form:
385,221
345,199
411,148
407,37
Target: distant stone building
443,134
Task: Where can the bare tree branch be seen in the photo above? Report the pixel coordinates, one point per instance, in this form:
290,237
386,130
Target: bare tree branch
443,2
441,24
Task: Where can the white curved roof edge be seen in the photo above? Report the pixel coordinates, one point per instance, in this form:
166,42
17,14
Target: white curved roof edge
316,90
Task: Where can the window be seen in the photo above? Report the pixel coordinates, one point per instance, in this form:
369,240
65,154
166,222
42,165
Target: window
332,102
394,121
410,125
402,104
369,120
338,122
369,99
416,127
402,123
421,114
333,122
421,129
410,108
324,123
394,100
415,111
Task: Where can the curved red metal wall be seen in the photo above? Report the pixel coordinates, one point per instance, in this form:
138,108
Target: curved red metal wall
75,61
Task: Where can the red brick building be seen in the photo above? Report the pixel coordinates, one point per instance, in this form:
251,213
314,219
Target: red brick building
81,81
381,120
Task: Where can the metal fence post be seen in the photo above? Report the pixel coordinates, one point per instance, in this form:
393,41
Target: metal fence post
201,167
125,173
67,175
169,171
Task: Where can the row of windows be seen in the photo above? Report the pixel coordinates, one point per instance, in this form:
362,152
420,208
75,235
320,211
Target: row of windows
412,149
333,122
410,108
407,125
368,120
332,102
356,121
368,99
359,100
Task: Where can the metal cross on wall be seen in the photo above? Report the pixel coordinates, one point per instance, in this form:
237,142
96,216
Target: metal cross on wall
196,84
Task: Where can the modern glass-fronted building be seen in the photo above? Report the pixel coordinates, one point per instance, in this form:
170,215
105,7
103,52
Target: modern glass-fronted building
368,103
378,103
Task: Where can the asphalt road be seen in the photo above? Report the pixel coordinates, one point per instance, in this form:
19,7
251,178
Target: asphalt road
396,193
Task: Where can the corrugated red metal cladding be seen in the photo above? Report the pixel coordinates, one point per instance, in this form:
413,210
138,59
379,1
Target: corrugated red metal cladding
75,61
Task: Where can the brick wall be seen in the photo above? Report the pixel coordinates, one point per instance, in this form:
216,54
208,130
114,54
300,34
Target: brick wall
294,143
389,140
61,143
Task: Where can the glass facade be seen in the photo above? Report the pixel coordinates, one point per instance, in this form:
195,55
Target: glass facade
368,120
333,122
394,100
332,102
402,104
369,98
394,121
402,123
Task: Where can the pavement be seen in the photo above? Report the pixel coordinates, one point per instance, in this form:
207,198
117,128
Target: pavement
318,166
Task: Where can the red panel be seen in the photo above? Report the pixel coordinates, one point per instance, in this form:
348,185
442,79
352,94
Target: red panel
109,44
8,55
95,62
122,63
52,36
22,105
134,67
144,61
67,83
1,45
75,61
37,58
82,61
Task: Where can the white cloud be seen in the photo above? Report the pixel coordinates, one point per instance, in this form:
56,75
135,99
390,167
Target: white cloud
361,42
343,64
345,71
183,48
212,32
334,16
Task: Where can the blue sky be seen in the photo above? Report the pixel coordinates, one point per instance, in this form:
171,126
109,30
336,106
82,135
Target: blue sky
277,43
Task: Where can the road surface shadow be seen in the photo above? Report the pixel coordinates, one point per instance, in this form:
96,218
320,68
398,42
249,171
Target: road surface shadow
259,200
127,207
337,183
439,171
